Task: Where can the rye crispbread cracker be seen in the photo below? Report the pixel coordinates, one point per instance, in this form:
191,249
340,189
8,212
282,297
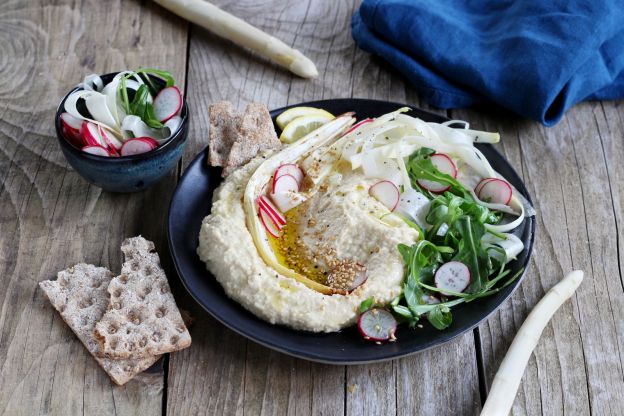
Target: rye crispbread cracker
79,295
142,318
222,134
236,138
255,134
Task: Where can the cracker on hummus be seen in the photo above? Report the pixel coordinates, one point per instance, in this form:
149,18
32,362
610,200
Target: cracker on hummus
236,138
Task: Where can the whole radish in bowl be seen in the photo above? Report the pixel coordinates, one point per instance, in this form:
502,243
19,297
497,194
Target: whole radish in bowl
123,131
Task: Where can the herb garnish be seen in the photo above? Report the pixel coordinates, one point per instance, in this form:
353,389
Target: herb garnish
465,219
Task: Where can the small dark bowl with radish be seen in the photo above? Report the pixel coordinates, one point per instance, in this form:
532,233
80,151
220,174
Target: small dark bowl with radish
122,164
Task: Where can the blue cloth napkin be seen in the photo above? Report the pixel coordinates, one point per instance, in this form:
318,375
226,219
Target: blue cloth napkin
535,57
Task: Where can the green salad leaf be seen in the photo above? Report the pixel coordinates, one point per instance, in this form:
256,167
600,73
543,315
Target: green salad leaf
140,104
457,225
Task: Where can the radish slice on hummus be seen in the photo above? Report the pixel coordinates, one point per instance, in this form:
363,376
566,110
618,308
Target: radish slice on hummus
289,169
387,193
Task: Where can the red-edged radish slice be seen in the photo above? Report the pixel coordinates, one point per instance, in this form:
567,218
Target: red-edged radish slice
266,204
72,136
285,194
377,325
268,223
91,135
356,125
444,164
96,150
285,183
453,276
167,103
429,299
71,121
136,146
496,191
288,200
71,129
149,140
387,193
111,141
480,185
288,169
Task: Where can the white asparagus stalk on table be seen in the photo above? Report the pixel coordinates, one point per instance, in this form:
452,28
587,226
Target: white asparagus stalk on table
242,33
507,379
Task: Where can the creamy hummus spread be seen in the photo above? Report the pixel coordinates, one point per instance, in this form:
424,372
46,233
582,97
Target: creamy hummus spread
338,233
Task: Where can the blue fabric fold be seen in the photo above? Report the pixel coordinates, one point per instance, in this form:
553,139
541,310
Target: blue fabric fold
535,57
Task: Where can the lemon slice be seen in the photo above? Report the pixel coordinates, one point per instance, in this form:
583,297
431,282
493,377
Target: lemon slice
302,126
289,115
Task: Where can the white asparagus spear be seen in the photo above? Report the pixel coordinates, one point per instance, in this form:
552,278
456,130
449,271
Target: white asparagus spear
242,33
507,379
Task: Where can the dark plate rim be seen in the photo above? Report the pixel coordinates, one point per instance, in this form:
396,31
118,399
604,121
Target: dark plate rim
444,338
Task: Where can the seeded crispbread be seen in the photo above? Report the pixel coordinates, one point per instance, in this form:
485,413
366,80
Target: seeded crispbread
222,133
79,295
142,318
255,134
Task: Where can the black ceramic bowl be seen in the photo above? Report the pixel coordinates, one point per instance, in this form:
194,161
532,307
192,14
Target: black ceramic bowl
124,173
192,201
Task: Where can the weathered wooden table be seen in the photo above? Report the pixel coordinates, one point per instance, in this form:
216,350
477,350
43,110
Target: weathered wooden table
50,219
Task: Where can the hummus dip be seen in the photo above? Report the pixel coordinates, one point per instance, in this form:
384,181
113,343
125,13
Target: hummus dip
339,225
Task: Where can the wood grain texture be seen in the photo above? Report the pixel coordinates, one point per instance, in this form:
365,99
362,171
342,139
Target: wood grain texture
268,382
49,217
572,174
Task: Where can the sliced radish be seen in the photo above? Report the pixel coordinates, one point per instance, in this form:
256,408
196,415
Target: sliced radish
268,223
444,164
72,136
387,193
480,184
167,103
288,169
496,191
267,205
285,183
71,121
285,193
111,141
356,125
453,276
287,200
96,150
136,146
149,140
377,325
91,135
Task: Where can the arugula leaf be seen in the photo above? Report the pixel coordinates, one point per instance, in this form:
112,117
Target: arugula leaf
419,166
464,221
440,317
366,305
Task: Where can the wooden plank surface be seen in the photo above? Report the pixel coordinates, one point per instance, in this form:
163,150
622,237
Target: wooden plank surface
50,218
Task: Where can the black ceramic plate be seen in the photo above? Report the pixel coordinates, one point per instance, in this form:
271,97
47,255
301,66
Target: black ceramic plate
191,203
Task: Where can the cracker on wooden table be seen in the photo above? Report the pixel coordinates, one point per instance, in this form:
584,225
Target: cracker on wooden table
255,134
142,318
222,133
80,295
